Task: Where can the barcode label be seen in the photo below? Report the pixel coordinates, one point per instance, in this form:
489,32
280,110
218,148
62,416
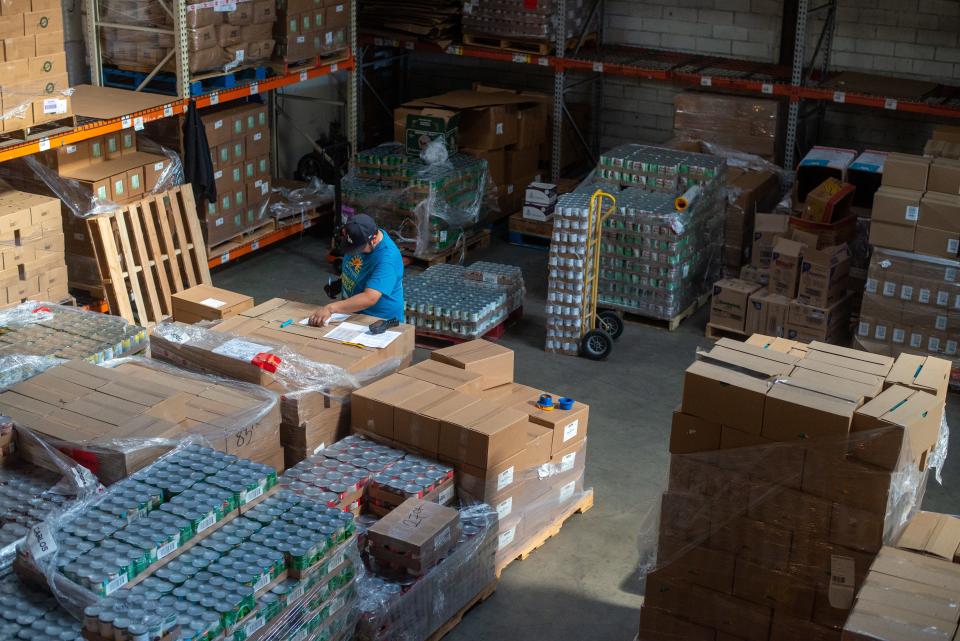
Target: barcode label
207,522
570,431
138,123
167,548
911,213
923,296
215,99
224,258
253,625
44,144
262,582
567,462
863,329
506,538
890,103
252,495
295,594
115,585
303,76
598,67
544,62
445,496
906,292
505,478
706,81
505,508
567,490
167,111
839,96
766,88
899,335
126,122
889,288
254,88
521,58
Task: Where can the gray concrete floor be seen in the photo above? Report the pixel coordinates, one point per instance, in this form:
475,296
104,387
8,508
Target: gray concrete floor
581,585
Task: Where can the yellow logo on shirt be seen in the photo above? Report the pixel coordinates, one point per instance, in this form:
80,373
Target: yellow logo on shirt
356,263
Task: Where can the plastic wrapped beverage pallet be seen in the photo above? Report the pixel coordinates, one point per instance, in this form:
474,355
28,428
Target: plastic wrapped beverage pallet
200,545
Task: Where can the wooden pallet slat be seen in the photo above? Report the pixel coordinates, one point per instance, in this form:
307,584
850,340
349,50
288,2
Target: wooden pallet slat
172,267
130,275
183,262
134,224
109,257
187,204
158,258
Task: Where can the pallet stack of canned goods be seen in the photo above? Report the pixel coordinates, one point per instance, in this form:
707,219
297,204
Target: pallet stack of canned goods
453,301
202,545
27,614
425,207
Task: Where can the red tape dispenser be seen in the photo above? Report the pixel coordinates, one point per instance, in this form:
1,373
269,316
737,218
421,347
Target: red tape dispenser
267,362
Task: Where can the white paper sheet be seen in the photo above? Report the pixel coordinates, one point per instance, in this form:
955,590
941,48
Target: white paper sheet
241,350
213,302
335,318
377,341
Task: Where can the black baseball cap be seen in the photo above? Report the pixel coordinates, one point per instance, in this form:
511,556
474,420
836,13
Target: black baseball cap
357,232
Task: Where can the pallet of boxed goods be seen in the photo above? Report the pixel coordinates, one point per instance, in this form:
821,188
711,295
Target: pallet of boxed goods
450,303
272,346
435,21
311,33
117,418
524,27
205,515
462,407
792,466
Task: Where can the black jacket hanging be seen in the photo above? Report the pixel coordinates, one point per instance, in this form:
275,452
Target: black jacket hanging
197,166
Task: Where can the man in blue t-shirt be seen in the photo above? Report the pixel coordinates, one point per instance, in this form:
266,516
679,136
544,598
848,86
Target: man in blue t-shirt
372,274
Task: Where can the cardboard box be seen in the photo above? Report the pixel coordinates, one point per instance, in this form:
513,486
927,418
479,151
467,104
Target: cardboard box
855,359
448,376
898,419
481,436
416,535
374,406
819,164
418,417
660,625
785,262
823,275
767,229
865,173
940,211
568,426
932,534
204,302
936,242
725,395
922,373
906,171
693,434
944,175
729,304
496,163
828,202
490,360
895,205
806,409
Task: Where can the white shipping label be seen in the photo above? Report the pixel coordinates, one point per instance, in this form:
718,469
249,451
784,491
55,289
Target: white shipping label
933,344
158,166
218,222
570,431
950,349
506,538
499,128
923,296
912,213
899,335
217,124
567,491
956,301
53,106
509,189
889,288
863,329
505,508
568,461
445,496
950,274
442,539
953,245
40,541
906,292
505,478
257,136
168,548
213,302
842,582
252,495
871,286
207,522
116,584
943,299
880,333
262,582
940,323
217,175
916,340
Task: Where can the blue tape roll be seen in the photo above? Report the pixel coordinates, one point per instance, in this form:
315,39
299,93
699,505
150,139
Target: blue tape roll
545,402
565,403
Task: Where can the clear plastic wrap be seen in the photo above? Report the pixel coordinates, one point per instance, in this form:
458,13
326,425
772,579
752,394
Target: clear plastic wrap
745,124
911,303
426,207
220,37
520,19
769,534
413,608
301,201
37,335
464,302
37,613
269,564
126,413
36,481
31,106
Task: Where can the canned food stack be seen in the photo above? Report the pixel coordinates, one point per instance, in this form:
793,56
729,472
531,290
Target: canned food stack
412,477
791,465
455,301
27,613
425,207
26,492
659,168
407,606
522,19
567,293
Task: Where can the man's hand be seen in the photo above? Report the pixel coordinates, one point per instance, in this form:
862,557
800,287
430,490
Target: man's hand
321,316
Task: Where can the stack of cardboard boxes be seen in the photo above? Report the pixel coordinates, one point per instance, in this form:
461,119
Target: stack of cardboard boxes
792,465
239,140
33,64
535,21
308,29
917,208
944,143
31,249
219,37
462,407
311,372
792,288
747,125
748,191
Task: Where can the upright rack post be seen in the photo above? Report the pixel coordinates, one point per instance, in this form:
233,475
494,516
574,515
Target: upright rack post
355,84
796,80
560,38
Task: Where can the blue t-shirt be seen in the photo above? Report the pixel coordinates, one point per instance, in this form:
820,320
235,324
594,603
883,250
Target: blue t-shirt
382,270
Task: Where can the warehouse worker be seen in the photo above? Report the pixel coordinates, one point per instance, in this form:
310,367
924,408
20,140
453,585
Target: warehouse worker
372,274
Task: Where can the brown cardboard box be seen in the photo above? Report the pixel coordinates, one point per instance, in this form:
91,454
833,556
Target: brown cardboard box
48,21
940,211
521,162
871,384
767,229
660,625
828,202
944,175
823,275
725,395
205,302
819,319
492,361
784,592
896,206
374,406
833,476
449,376
906,171
496,163
923,373
785,267
898,419
859,360
568,426
418,534
692,434
892,235
19,48
729,305
418,417
936,242
481,436
808,408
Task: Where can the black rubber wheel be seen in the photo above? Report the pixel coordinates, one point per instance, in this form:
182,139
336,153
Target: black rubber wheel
610,322
596,345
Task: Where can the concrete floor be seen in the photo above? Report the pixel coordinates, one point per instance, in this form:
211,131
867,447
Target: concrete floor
582,585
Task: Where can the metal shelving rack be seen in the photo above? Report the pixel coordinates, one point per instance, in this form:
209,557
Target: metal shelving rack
796,83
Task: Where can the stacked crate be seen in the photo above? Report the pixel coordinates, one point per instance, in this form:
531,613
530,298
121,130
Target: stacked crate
33,64
308,29
31,247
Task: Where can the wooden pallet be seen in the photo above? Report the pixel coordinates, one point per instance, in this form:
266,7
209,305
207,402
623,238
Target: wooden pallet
452,254
35,132
549,531
148,250
455,620
529,233
282,67
261,230
714,332
519,45
670,324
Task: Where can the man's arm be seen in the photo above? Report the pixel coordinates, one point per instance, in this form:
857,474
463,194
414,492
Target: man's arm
356,303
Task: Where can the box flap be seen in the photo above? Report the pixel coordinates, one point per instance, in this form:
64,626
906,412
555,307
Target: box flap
932,533
749,364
